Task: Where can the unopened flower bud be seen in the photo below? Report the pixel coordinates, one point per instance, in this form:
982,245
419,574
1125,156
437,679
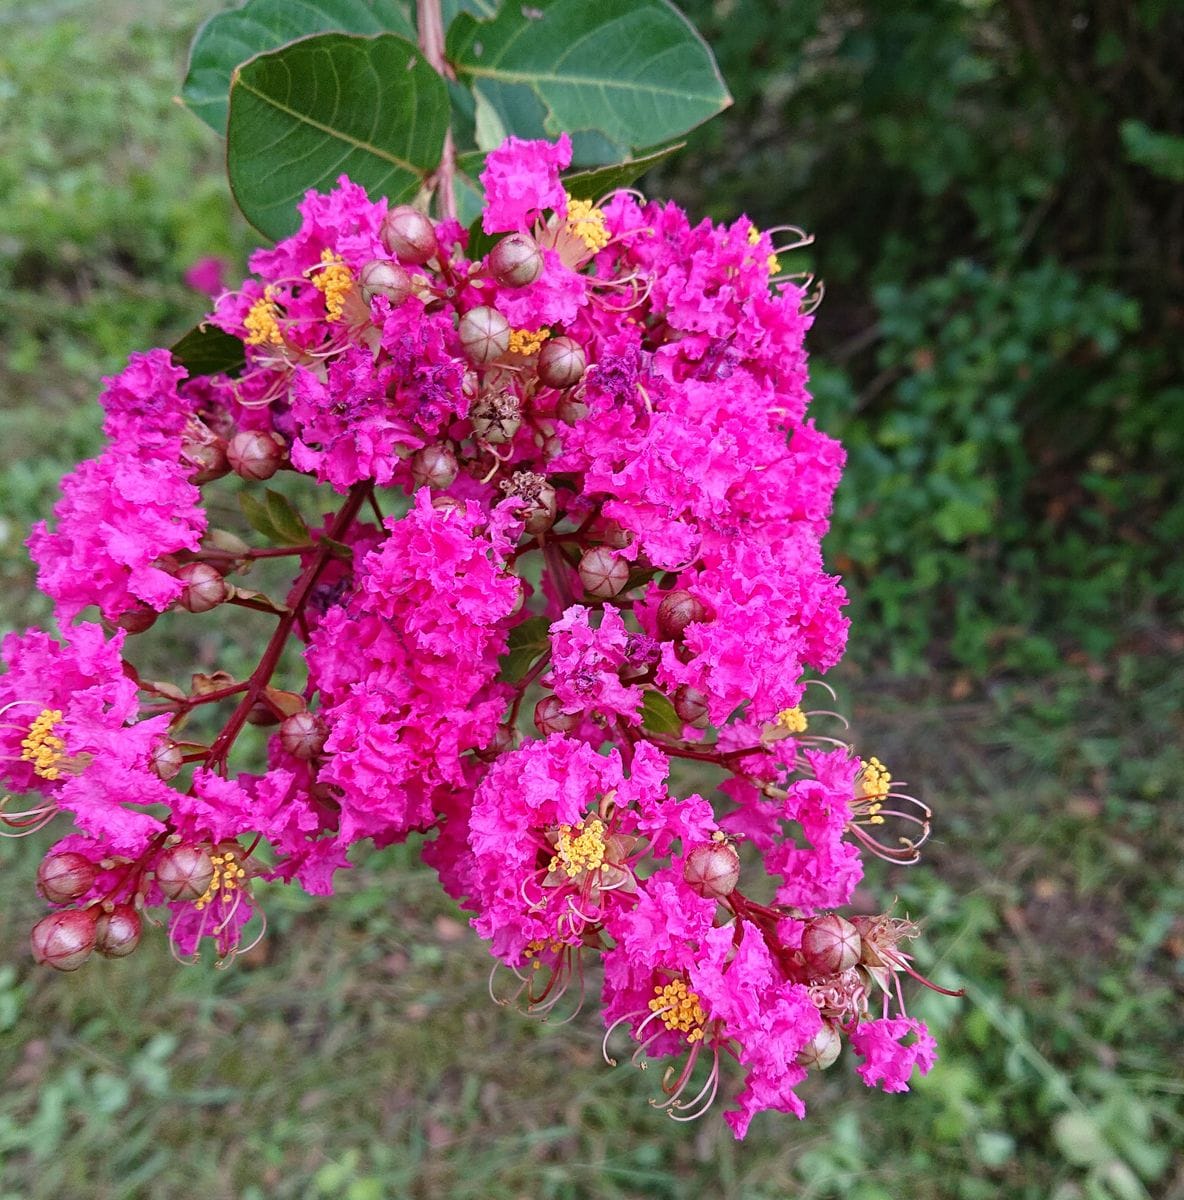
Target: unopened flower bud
184,872
713,870
65,877
822,1049
447,504
137,619
537,497
484,334
166,760
496,418
678,610
206,456
384,277
571,408
830,945
408,235
256,453
611,533
504,739
303,735
562,363
516,261
549,717
64,940
117,933
434,466
603,573
691,706
204,587
262,714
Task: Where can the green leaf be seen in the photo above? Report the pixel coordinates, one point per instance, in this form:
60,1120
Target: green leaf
658,715
626,73
1161,153
330,105
526,642
205,350
257,515
228,39
592,184
289,525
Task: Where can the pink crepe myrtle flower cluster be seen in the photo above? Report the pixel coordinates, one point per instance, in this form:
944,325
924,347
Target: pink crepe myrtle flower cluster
576,539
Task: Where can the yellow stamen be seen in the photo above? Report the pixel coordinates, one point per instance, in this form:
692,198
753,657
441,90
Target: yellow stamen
683,1011
42,747
261,322
793,720
336,280
527,341
227,873
579,848
873,784
772,262
586,222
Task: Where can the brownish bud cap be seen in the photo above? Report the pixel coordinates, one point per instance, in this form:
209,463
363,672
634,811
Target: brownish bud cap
603,573
504,739
713,870
65,877
137,619
409,235
184,872
822,1049
691,706
64,940
830,945
571,407
496,418
516,261
206,455
166,760
256,453
484,334
117,933
204,587
384,277
303,735
434,466
549,717
562,363
678,610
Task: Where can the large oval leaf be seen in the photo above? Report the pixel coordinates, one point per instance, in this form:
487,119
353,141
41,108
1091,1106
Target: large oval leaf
369,108
228,39
633,72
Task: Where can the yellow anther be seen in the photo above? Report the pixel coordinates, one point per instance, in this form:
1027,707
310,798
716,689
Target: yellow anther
873,783
579,848
336,280
793,720
227,873
42,747
261,321
527,341
679,1008
772,262
586,222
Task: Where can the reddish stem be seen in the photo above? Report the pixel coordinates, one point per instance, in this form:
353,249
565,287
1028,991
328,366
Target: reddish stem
271,656
431,42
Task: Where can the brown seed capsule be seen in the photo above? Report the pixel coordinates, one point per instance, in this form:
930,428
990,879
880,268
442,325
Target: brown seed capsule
603,573
691,706
303,735
822,1049
204,587
64,940
496,418
549,716
256,453
484,334
384,277
516,261
166,760
184,872
434,466
678,610
408,235
65,877
117,933
562,363
830,945
713,870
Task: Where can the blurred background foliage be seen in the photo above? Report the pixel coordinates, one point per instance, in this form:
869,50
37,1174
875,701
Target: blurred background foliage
994,188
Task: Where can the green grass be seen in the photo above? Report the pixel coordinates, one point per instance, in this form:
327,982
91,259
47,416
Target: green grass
357,1054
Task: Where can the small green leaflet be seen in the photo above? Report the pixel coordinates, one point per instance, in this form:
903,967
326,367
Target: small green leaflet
527,641
205,350
658,715
276,518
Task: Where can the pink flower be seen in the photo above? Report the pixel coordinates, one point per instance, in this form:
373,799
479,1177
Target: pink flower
890,1060
207,275
521,180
